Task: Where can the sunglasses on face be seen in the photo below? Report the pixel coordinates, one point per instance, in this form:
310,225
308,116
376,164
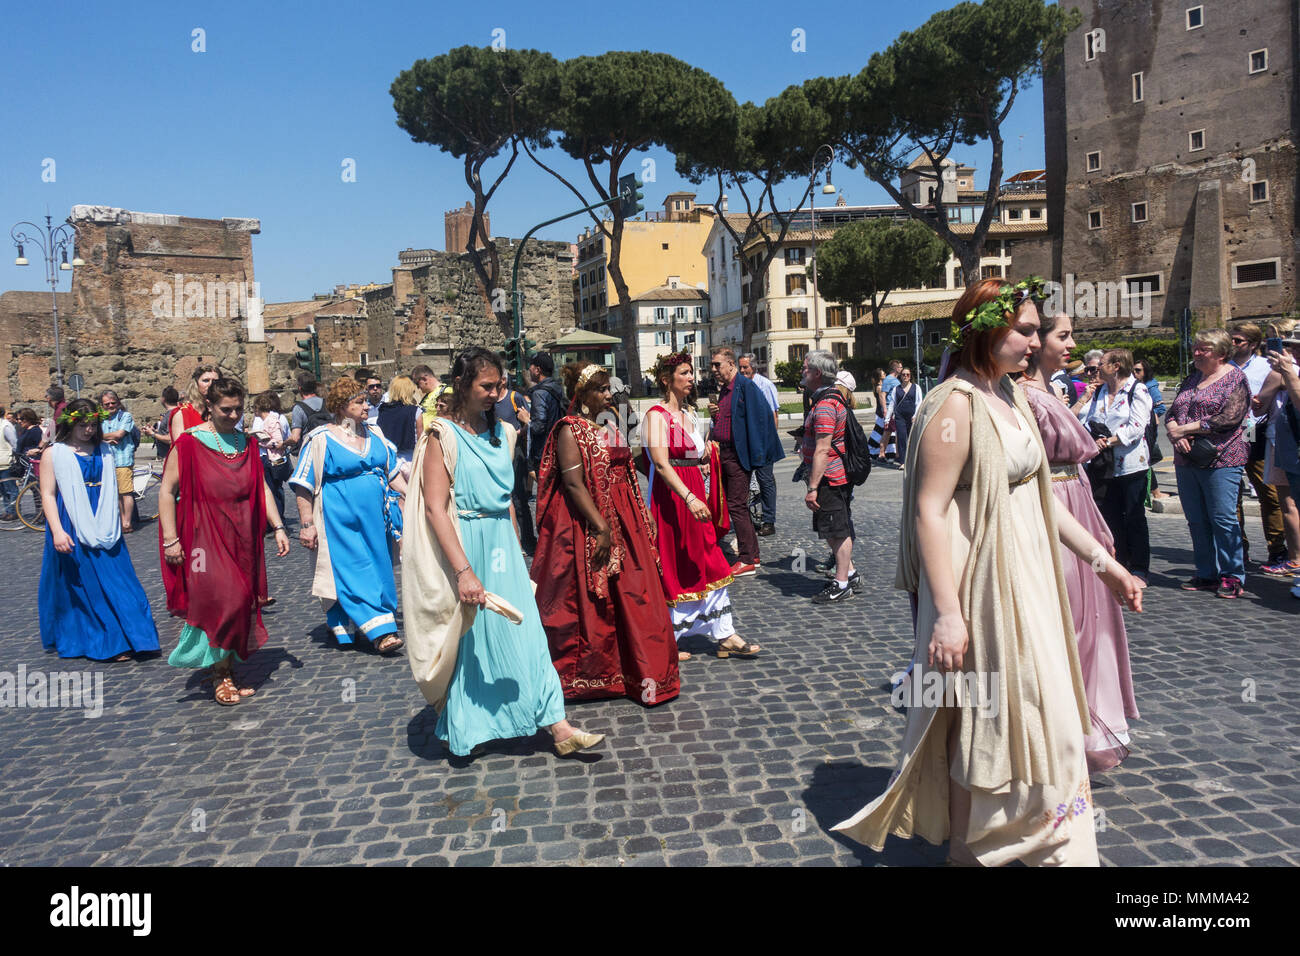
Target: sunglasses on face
1238,340
1091,370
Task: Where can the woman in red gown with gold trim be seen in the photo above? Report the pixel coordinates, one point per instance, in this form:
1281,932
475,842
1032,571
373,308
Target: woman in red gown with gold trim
597,571
688,518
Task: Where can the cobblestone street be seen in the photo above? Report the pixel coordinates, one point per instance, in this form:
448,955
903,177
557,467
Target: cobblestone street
334,760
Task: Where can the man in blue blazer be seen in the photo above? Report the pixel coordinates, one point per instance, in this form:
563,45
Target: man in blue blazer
745,431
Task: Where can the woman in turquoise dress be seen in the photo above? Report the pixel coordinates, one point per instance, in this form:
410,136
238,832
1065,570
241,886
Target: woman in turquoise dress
489,678
213,508
91,602
345,474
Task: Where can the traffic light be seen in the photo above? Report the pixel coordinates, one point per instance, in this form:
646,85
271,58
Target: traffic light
307,357
511,352
630,196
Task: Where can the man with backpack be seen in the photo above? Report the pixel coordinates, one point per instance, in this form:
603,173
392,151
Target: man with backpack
308,412
834,449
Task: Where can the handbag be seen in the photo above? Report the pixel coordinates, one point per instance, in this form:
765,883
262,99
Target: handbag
1202,454
1101,465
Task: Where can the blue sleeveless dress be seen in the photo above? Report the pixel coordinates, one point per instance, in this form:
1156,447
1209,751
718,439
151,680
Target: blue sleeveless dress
90,600
504,684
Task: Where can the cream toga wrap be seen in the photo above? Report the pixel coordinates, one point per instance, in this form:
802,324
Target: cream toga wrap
435,618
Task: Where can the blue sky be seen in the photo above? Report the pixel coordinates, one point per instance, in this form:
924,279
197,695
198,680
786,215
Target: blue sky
260,124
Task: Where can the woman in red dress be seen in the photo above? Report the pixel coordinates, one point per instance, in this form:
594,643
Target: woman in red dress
213,507
189,413
597,571
695,571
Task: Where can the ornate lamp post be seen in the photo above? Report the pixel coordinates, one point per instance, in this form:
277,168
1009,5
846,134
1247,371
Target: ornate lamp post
829,190
53,243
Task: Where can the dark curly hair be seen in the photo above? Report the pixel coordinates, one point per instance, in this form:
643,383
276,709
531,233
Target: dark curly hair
667,366
463,372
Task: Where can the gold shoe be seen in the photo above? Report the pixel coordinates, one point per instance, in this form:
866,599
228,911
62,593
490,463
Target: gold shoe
578,740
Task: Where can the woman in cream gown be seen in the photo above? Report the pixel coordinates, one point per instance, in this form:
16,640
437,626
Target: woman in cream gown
1001,773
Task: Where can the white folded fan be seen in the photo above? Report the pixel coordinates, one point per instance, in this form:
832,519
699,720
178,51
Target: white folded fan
494,602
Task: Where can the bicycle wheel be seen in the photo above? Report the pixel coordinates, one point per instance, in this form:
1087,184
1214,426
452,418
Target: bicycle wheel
29,508
9,517
146,497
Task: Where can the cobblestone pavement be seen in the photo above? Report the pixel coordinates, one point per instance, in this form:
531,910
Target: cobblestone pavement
334,760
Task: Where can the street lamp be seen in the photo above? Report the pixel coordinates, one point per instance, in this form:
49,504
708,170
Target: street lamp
53,244
829,190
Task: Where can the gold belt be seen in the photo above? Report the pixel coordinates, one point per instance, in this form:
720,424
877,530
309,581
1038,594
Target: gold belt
1068,472
965,485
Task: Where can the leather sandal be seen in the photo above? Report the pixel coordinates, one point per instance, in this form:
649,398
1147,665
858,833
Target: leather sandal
388,643
224,691
745,649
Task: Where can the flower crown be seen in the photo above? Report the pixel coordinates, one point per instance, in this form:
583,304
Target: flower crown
82,416
997,312
670,362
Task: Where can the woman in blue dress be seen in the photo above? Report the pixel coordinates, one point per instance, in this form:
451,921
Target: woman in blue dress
91,602
346,478
489,675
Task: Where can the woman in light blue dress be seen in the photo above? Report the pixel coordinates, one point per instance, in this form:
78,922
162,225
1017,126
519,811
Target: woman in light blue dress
490,679
343,482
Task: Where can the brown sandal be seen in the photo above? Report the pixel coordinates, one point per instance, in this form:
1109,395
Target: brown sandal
388,643
225,686
745,649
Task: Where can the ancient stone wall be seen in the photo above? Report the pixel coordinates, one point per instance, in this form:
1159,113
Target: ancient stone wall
157,293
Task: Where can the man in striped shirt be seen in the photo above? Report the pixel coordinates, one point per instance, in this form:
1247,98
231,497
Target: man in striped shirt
829,491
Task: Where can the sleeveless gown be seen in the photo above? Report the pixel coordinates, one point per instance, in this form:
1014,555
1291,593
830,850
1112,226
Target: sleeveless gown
90,600
1040,825
1098,618
504,684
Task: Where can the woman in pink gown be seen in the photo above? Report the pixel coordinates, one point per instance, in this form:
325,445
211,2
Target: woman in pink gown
1098,617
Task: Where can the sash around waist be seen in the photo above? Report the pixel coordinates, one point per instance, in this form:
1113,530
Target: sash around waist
686,462
482,514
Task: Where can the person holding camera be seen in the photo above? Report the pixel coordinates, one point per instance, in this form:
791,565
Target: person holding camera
1117,416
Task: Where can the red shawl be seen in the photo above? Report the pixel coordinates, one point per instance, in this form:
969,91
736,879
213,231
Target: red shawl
220,585
595,475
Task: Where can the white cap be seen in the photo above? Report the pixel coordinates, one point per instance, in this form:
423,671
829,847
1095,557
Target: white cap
845,378
615,383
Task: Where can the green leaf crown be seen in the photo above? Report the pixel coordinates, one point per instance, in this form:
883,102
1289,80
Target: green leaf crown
997,312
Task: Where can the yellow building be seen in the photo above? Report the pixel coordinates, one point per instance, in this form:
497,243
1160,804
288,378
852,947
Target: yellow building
667,243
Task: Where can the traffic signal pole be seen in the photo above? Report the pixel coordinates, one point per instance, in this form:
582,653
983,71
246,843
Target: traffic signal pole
625,195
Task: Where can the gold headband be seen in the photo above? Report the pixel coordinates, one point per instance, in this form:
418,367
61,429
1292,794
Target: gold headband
588,373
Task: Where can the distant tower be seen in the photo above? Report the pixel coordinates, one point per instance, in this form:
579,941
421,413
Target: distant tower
458,225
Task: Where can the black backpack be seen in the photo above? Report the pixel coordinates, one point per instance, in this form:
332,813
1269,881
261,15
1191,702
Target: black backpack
855,454
316,417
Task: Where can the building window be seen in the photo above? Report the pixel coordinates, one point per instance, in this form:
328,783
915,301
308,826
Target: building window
1035,214
840,350
796,318
796,284
699,313
661,315
1013,215
898,342
1139,212
1259,191
365,358
661,338
1196,140
679,314
798,353
936,338
1094,161
584,280
794,255
1258,61
1137,87
1142,285
991,272
1090,45
836,317
1094,218
1195,17
1263,272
